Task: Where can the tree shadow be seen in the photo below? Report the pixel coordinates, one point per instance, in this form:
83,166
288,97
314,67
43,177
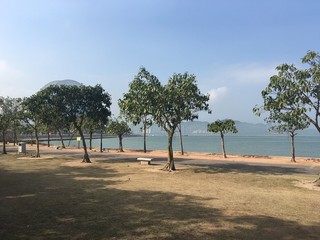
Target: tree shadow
228,166
84,203
247,168
220,166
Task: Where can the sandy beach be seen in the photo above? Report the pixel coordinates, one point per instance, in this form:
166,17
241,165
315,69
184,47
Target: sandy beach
272,160
211,157
277,160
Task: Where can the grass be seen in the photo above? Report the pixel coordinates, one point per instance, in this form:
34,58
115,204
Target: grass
57,197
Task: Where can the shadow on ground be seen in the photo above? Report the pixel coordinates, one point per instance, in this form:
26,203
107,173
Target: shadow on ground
246,168
83,203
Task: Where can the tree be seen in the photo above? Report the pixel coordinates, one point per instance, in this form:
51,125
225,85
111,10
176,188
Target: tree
296,90
17,116
175,102
90,126
8,116
47,129
34,110
54,121
309,88
180,138
287,122
223,127
118,127
136,105
76,103
286,108
102,130
50,117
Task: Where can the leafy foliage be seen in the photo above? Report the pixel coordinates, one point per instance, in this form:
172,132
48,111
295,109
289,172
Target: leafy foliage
35,110
138,102
177,101
223,127
295,92
310,87
136,105
75,104
10,115
292,98
118,127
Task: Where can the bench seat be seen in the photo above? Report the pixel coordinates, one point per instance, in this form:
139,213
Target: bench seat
144,160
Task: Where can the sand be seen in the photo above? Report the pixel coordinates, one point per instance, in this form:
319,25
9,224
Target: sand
277,160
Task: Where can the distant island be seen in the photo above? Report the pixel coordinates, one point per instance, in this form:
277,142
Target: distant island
200,128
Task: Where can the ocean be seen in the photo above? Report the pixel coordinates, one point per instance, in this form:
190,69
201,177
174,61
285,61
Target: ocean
273,145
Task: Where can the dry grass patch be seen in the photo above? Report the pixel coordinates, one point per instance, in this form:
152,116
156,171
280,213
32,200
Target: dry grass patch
117,198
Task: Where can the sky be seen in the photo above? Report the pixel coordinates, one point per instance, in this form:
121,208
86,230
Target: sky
232,46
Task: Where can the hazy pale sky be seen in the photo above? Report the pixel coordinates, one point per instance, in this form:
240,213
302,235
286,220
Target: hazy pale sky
232,46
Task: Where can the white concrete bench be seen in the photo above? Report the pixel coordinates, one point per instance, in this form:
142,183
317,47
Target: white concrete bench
144,160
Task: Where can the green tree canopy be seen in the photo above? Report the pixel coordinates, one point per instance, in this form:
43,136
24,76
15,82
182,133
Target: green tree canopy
223,127
76,103
136,105
287,122
92,126
286,109
118,127
9,117
295,90
35,110
180,99
310,87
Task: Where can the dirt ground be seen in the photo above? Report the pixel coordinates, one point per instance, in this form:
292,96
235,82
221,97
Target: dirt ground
115,197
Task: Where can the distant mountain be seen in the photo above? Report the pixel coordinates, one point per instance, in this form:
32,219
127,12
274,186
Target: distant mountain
200,128
250,129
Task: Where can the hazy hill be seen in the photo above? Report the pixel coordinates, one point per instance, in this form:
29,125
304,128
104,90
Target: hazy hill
200,128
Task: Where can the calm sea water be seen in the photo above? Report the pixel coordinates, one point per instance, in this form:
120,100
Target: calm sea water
306,146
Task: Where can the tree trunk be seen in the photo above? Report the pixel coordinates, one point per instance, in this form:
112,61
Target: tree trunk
314,122
4,150
61,139
32,139
145,137
70,136
37,143
48,134
222,146
90,140
317,181
120,143
180,136
293,150
170,163
15,140
101,138
86,158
